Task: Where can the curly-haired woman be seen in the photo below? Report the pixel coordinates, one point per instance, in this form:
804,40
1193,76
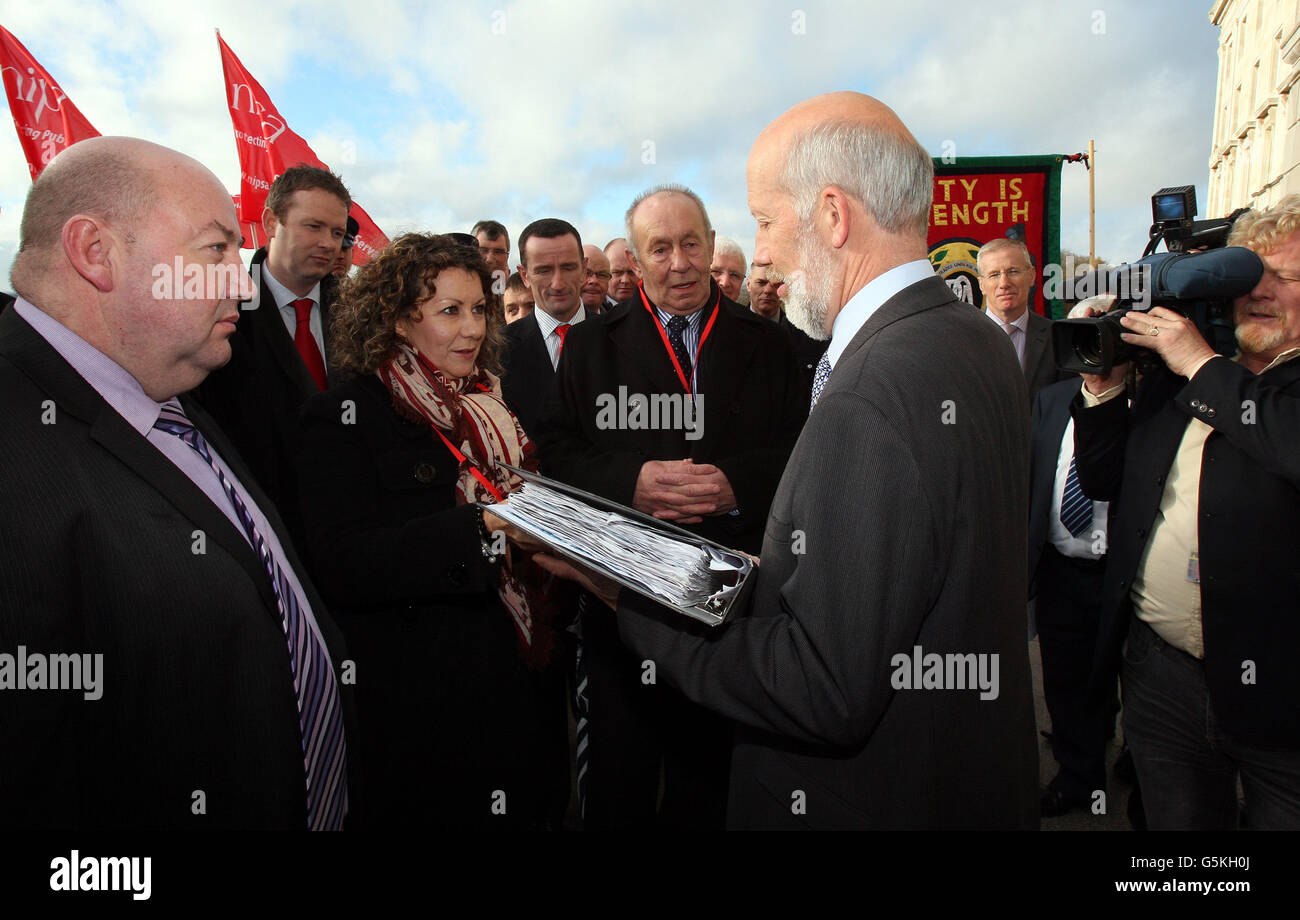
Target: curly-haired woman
462,718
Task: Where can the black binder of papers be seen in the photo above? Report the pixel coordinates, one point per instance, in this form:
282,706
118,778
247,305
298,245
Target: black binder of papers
695,577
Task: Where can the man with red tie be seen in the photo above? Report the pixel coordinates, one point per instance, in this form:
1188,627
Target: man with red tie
553,268
280,349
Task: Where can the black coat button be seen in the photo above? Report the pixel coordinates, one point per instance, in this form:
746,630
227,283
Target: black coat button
456,574
424,472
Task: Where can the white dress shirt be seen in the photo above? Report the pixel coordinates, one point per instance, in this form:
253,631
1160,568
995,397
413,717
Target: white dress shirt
865,302
548,324
1084,546
284,299
1016,330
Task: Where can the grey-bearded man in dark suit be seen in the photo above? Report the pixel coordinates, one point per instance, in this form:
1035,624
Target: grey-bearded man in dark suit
898,530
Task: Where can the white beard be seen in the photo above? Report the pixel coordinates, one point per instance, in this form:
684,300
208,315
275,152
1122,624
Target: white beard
808,301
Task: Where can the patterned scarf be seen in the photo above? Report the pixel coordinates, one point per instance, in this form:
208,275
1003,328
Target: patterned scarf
470,414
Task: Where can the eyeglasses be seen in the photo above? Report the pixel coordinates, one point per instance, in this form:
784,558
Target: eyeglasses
1011,274
493,251
603,276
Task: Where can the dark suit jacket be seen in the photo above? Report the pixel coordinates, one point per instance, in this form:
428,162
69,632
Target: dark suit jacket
98,556
1040,365
449,711
529,379
1249,542
1050,415
753,407
256,397
807,350
879,541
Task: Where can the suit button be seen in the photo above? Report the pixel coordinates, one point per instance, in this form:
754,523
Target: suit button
1142,531
1196,404
1210,413
456,574
1160,480
424,472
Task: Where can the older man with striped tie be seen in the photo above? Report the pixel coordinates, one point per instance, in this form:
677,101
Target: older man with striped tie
136,533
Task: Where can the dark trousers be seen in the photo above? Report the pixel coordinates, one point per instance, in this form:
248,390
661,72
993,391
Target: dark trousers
633,727
1186,763
1068,614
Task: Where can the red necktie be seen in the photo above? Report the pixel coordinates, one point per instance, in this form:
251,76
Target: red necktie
306,344
561,330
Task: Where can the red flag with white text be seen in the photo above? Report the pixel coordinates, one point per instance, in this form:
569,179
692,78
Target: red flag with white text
46,119
267,147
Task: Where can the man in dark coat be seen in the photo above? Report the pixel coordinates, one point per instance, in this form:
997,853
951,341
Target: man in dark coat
280,350
1199,606
134,533
684,405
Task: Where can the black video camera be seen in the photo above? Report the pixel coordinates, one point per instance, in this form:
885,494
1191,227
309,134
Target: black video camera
1200,285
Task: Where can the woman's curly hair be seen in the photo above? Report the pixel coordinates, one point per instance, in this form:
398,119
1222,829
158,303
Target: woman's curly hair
388,288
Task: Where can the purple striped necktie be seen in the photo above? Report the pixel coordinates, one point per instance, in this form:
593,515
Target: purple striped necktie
320,713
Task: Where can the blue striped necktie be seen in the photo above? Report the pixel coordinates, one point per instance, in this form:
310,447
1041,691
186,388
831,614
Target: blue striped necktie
1076,508
320,714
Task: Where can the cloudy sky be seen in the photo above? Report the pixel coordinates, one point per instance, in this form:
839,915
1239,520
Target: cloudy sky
439,114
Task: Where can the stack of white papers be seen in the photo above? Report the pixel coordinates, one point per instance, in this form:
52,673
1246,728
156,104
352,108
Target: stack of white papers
696,577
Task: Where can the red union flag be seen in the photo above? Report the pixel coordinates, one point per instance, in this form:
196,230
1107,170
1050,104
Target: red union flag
267,147
46,120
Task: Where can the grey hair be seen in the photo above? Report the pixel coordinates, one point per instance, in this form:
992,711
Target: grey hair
887,171
726,246
997,244
658,190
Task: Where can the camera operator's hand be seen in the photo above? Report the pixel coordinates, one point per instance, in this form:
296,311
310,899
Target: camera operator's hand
1096,384
1172,336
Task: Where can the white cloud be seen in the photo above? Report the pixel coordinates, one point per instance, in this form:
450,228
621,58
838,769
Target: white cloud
516,110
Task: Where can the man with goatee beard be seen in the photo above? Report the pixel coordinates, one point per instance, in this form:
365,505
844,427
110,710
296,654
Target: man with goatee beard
764,300
1200,590
891,538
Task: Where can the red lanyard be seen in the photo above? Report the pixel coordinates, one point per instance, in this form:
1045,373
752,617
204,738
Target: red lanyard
672,355
474,470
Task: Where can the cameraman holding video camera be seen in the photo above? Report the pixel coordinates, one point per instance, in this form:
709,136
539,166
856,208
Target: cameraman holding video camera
1203,473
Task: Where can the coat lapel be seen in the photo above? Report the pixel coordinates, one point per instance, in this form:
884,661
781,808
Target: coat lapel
1037,340
723,360
915,298
537,360
270,330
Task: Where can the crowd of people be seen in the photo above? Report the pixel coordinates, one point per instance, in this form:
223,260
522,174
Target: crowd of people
269,508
